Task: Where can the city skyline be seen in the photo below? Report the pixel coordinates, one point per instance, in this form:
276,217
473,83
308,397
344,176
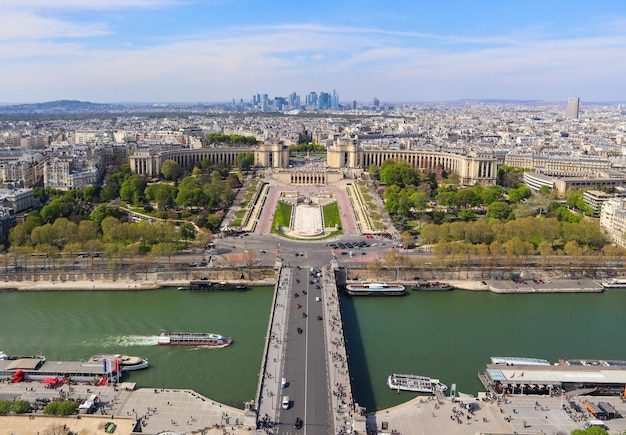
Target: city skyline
191,50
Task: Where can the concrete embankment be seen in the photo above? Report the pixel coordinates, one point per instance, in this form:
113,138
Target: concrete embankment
554,286
116,285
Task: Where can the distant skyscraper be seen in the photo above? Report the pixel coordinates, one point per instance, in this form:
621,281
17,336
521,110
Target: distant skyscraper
311,99
324,101
573,105
335,101
376,102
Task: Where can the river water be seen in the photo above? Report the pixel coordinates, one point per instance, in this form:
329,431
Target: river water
447,335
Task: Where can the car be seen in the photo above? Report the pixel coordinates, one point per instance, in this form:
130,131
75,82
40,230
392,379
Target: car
298,306
318,287
262,251
298,423
318,299
299,330
303,292
295,295
319,317
303,314
298,280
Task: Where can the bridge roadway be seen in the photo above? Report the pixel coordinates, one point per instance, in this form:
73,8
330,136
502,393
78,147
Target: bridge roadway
305,347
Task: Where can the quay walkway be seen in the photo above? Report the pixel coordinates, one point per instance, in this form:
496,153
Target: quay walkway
269,388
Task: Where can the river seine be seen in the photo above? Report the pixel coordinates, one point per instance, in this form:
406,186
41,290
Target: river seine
446,335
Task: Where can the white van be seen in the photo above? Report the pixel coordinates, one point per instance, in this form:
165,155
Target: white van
595,423
285,402
283,383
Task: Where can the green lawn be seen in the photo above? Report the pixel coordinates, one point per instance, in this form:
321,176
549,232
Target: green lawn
331,215
282,216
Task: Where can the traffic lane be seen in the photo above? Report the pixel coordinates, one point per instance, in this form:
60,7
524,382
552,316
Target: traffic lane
317,401
294,362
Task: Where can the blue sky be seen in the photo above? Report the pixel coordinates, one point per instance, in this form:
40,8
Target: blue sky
216,50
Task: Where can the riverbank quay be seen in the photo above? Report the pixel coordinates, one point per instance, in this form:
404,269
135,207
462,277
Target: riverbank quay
184,411
146,411
490,414
529,286
554,286
116,285
495,286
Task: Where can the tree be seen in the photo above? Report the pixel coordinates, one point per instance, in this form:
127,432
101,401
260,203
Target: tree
407,240
187,231
21,407
170,169
103,211
593,430
517,195
467,215
18,235
245,161
491,194
499,210
52,210
132,189
5,406
399,174
544,190
161,193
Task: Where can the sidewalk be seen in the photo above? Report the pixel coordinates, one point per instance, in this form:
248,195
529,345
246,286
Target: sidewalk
339,375
268,401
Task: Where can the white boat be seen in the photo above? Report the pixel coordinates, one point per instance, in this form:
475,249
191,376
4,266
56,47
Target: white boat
417,384
199,339
126,363
375,289
614,283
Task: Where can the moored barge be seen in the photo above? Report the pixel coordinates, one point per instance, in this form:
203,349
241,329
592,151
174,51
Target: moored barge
375,289
207,286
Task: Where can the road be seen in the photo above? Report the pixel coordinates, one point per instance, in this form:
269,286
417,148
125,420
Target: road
304,366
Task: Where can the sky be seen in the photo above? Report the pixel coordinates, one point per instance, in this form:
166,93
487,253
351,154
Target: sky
394,50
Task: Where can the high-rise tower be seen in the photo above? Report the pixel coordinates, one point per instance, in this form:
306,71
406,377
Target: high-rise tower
573,105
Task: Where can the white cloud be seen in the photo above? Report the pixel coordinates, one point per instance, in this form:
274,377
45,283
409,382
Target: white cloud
18,25
281,59
88,4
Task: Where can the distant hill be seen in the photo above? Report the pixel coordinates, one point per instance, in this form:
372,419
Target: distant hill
58,107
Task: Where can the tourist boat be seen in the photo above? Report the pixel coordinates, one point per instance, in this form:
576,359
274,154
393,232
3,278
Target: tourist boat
416,384
375,289
207,286
126,363
199,339
432,286
614,283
